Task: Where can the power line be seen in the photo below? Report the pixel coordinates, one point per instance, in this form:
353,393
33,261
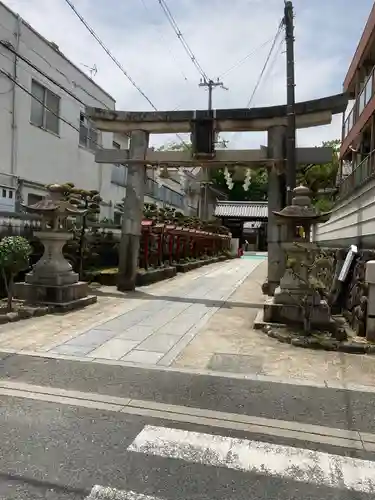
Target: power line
44,105
181,38
109,53
118,64
265,64
244,59
71,82
9,47
163,39
274,59
52,80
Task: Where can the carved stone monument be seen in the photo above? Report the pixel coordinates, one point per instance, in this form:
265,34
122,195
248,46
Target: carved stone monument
52,280
296,291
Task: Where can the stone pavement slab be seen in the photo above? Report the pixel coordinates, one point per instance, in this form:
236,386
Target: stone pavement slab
149,326
229,343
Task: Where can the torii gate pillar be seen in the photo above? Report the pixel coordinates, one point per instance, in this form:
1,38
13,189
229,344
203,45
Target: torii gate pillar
133,213
276,201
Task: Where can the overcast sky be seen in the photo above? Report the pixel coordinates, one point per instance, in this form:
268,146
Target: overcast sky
220,33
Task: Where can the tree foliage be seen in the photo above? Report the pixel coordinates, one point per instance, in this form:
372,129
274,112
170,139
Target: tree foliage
89,202
320,178
14,258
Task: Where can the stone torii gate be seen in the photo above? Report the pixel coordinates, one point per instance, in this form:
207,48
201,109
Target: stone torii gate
204,126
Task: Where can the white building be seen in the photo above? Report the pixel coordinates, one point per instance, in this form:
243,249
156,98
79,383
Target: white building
181,192
47,138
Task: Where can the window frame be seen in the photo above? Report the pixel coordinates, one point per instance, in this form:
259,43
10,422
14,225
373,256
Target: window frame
47,94
88,125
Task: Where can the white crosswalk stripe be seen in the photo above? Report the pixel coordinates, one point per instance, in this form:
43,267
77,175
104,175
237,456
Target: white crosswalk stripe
287,462
102,493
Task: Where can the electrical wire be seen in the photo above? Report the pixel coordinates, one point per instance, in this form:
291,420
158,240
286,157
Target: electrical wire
265,64
32,65
164,40
44,105
275,57
109,53
244,59
181,38
71,82
73,97
112,57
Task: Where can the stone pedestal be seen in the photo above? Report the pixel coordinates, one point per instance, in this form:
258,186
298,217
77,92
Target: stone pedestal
294,291
296,300
52,280
52,268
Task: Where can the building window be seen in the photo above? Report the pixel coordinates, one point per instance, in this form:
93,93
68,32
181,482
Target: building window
4,193
33,198
117,218
10,194
88,133
45,108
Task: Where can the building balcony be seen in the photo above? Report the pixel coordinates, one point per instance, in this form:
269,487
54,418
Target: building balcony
360,104
363,172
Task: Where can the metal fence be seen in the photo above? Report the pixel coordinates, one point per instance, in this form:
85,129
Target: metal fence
359,176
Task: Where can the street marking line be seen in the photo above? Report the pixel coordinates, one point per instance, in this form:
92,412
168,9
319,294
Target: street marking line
290,463
103,493
176,413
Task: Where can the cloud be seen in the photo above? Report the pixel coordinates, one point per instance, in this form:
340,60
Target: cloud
220,33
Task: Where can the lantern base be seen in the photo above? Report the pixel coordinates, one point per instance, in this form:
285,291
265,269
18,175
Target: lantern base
66,297
293,314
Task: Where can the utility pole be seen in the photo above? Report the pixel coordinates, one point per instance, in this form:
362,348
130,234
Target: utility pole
211,85
290,96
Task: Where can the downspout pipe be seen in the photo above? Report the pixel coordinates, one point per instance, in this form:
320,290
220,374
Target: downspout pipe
14,143
17,35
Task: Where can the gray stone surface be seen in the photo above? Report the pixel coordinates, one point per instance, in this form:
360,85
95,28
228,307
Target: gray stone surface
114,349
158,329
158,342
136,332
235,363
143,357
72,350
92,338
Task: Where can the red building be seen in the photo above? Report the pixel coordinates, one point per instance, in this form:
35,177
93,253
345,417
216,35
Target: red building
358,133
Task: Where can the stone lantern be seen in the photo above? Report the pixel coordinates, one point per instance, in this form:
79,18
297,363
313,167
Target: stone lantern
295,290
52,280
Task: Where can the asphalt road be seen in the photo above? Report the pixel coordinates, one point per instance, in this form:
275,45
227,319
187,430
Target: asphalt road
330,407
60,451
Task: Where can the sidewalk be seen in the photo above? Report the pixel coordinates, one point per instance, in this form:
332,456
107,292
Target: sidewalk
228,343
200,321
150,326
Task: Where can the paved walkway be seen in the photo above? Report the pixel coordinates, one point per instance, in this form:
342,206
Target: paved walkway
228,343
199,321
150,326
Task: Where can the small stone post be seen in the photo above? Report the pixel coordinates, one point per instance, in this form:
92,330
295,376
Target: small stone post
370,319
133,213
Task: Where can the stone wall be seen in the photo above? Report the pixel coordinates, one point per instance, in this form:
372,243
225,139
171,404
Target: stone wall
350,299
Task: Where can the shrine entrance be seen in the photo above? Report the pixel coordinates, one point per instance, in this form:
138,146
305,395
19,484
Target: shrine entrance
204,126
247,221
